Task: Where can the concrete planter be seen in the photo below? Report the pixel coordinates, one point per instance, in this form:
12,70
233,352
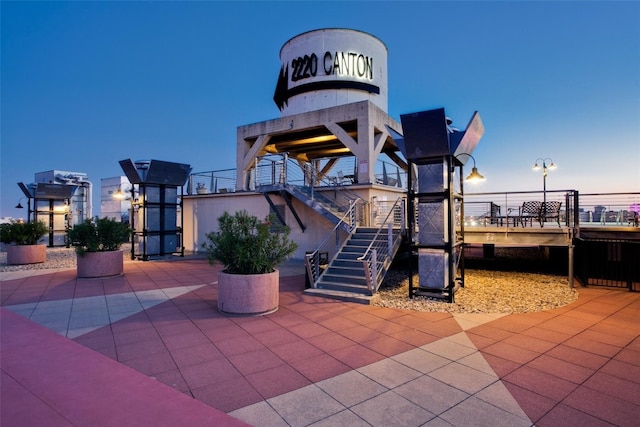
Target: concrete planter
26,254
100,264
248,294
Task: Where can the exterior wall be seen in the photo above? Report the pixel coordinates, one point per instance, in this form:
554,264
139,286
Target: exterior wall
201,215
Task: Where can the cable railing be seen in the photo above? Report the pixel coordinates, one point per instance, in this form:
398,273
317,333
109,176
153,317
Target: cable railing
576,209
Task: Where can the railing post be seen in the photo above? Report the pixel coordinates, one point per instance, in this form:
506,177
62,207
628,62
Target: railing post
390,238
374,270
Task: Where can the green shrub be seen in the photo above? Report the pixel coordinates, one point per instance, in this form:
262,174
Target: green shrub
22,233
245,245
98,235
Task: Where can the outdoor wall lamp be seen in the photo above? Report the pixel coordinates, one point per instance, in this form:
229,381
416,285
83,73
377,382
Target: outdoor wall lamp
474,176
19,205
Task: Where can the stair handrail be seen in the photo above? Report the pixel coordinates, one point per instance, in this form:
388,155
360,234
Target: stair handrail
312,260
381,248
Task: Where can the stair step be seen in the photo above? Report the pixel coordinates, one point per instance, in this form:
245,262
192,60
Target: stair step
347,280
343,286
343,296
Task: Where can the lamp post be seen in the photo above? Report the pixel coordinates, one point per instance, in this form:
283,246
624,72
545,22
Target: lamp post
19,206
536,167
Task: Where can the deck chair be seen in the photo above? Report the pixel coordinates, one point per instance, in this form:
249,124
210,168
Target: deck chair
528,212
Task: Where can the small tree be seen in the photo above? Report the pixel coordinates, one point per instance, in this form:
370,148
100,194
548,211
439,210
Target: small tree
246,245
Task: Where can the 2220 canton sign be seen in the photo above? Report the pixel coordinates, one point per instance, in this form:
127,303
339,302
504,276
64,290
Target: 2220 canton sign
344,65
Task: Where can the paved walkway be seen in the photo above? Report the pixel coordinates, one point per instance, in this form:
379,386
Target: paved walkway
149,348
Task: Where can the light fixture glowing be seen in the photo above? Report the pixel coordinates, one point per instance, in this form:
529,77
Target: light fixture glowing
474,176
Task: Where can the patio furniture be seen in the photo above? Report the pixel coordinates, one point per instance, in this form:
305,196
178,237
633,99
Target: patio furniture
541,211
528,212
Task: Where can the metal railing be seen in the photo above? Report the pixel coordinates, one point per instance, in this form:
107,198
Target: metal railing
212,182
387,239
341,230
578,209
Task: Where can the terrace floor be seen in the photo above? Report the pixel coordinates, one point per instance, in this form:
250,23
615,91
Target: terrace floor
150,348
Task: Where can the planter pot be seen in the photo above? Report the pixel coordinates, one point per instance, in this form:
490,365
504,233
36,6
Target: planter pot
26,254
100,264
202,191
248,294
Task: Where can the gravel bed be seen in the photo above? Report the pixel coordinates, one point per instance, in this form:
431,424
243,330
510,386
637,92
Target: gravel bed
484,292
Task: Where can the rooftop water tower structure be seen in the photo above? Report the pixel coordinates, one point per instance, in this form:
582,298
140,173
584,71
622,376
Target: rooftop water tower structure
156,206
437,153
332,95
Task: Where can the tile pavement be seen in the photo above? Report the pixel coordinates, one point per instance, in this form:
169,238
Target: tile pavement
318,361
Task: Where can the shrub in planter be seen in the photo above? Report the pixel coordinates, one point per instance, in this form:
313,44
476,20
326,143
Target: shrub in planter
23,238
248,247
97,243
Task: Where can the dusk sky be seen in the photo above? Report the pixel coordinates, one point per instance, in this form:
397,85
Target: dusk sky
86,84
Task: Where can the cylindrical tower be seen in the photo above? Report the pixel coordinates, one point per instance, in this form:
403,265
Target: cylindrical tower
330,67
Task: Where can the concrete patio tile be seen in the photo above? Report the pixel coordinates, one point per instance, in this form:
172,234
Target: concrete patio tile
462,377
471,320
449,349
388,346
389,373
615,386
533,404
260,413
218,395
437,422
498,395
24,310
276,381
421,360
208,373
563,415
595,347
578,356
319,367
351,388
196,354
511,352
541,382
475,412
305,406
562,369
153,364
391,409
477,362
330,342
607,408
356,356
341,419
255,361
431,394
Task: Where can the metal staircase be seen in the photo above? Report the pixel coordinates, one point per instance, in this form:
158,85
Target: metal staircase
358,268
